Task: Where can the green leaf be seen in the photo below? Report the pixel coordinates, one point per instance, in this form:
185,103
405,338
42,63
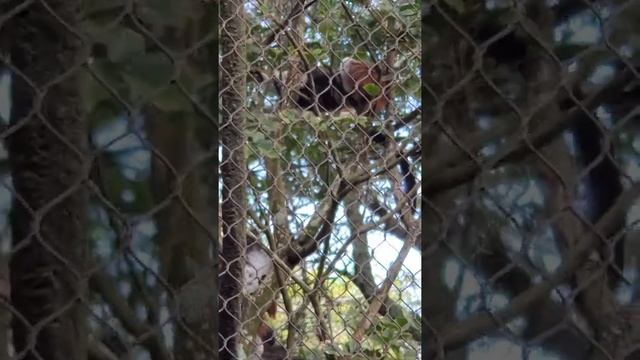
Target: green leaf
121,43
269,124
264,8
362,55
261,144
92,91
313,55
311,118
372,89
407,6
325,27
288,116
265,148
408,10
273,55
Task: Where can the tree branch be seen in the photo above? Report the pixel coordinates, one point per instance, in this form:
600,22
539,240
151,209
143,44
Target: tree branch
472,328
297,10
444,180
382,293
103,284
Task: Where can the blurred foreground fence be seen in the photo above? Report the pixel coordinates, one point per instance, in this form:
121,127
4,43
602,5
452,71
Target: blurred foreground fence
110,119
531,179
108,196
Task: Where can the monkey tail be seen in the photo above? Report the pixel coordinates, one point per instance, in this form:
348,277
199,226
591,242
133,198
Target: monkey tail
408,182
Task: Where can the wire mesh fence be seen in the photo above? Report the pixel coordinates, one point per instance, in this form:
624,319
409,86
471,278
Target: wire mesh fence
527,112
109,137
110,129
531,179
330,111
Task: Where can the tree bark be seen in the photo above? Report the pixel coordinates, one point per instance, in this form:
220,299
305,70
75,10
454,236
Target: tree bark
48,161
233,173
185,247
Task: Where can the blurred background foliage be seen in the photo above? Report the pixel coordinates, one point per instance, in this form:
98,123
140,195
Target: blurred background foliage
564,74
149,89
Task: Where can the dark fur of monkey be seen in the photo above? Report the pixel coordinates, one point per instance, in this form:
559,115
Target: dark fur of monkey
323,90
326,91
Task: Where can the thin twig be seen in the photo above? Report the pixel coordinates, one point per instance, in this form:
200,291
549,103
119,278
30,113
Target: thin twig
362,38
297,10
383,292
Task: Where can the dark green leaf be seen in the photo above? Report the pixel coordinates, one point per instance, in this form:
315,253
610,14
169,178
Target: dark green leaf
104,112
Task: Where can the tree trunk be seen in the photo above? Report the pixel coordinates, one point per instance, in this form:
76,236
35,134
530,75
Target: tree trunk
233,173
595,300
48,161
185,247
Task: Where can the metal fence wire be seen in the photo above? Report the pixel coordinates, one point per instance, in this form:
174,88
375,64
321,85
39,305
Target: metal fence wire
530,159
321,235
110,120
331,116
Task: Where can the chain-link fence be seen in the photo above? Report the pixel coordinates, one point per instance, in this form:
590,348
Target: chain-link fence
330,113
108,198
110,130
531,179
110,115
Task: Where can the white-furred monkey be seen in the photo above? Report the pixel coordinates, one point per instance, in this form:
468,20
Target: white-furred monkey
257,271
258,266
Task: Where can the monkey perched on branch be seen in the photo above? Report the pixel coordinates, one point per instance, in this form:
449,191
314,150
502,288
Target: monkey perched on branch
363,88
358,86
